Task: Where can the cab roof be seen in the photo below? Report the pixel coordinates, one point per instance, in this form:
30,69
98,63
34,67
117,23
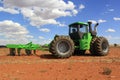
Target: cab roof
79,23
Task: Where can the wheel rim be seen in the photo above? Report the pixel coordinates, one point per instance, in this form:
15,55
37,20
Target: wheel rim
105,47
63,47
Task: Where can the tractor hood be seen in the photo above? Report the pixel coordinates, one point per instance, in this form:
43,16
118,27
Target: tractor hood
79,23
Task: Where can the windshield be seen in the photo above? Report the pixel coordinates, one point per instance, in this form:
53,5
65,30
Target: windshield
83,28
78,28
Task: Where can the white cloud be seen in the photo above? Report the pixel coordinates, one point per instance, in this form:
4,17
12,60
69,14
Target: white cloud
107,5
62,25
13,33
93,21
97,21
113,39
41,41
109,37
110,30
13,41
9,10
41,37
75,12
101,21
81,6
46,41
29,36
111,10
116,18
12,29
42,12
45,30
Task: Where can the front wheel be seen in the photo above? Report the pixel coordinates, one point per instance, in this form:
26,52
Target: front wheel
62,47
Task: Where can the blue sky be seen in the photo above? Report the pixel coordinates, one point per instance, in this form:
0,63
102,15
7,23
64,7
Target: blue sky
22,21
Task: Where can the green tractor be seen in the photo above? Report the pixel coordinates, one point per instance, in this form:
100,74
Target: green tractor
81,38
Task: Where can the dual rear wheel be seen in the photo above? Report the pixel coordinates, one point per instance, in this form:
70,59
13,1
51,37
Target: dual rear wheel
99,46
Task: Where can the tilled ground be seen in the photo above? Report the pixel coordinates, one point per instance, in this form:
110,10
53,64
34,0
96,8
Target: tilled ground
45,66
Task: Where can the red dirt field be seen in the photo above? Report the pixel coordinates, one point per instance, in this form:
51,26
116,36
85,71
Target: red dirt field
44,66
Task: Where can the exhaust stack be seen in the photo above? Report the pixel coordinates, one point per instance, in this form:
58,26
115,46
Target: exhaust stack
95,27
90,27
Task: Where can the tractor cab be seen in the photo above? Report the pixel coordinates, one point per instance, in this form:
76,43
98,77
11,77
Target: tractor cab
79,33
77,30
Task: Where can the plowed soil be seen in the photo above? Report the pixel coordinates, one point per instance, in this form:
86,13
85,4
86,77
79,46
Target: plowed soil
45,66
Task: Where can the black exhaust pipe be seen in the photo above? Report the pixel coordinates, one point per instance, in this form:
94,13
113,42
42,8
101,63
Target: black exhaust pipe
93,32
95,27
90,27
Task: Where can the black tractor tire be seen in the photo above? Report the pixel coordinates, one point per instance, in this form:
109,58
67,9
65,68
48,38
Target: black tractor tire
28,52
100,46
12,51
62,47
